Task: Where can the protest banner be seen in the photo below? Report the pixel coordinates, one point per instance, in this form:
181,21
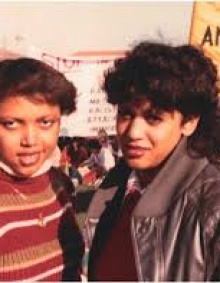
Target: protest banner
85,70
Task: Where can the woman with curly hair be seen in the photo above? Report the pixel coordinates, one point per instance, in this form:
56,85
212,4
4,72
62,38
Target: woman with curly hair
156,215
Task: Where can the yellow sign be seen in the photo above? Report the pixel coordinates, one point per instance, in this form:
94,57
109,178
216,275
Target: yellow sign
205,29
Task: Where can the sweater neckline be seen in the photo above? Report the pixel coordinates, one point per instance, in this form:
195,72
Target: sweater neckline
25,185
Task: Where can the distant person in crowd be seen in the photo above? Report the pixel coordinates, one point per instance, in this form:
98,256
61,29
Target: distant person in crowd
39,236
94,162
116,150
62,142
78,153
92,169
157,213
106,157
64,157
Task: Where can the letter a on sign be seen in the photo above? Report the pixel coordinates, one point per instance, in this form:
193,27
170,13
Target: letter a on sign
205,29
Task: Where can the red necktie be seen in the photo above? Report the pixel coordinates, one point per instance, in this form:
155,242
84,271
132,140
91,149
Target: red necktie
131,200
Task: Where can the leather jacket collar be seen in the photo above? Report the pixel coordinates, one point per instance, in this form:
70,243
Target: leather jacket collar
170,182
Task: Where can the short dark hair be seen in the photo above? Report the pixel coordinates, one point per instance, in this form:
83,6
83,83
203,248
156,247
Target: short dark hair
35,79
94,144
171,78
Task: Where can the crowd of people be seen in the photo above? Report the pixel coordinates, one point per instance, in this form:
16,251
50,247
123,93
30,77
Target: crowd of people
155,216
86,160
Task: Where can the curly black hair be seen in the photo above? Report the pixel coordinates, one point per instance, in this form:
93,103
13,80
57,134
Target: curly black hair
172,78
36,80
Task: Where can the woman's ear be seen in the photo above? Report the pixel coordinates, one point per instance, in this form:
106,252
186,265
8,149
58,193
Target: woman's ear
190,126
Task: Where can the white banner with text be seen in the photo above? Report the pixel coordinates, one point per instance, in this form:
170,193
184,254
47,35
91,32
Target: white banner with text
86,72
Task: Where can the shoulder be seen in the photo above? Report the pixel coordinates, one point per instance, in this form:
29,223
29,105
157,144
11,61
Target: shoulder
209,200
210,180
59,177
116,177
99,201
62,184
206,187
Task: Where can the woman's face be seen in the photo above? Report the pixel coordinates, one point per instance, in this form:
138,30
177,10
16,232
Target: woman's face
148,136
28,133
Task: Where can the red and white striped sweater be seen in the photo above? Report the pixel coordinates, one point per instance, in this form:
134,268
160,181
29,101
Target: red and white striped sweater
39,237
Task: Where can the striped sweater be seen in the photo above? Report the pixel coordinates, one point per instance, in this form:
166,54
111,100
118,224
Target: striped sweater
39,237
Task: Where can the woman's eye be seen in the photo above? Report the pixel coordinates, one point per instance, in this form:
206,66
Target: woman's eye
47,123
9,124
153,119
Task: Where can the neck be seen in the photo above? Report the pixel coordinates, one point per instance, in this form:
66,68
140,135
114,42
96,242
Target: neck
145,177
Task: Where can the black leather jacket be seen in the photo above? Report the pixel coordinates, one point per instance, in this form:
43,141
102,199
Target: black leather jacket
176,224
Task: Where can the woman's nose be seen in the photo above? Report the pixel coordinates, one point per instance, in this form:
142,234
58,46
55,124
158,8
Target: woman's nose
137,128
29,136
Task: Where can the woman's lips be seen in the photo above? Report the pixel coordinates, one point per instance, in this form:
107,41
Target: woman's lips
135,151
29,159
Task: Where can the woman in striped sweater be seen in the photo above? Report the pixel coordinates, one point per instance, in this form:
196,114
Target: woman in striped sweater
39,236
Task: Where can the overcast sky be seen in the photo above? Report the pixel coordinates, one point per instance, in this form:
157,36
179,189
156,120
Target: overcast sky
66,27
